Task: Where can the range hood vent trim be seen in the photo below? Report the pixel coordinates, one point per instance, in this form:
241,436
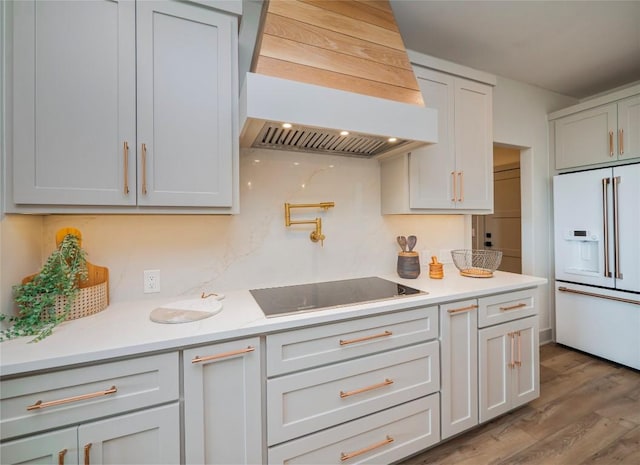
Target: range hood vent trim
267,101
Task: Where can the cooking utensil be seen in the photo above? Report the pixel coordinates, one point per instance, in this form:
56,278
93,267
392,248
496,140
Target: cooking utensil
402,241
411,242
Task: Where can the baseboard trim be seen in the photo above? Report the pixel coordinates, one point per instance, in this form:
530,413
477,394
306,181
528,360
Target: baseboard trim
546,336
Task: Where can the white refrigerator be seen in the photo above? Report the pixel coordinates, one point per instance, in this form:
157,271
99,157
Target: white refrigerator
597,262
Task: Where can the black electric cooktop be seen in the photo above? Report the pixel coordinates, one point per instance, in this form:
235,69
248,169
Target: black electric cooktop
287,300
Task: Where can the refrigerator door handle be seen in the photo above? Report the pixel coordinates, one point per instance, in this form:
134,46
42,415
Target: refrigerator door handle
600,296
605,219
616,228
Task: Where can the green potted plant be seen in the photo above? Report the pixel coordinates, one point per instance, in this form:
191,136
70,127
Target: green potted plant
58,281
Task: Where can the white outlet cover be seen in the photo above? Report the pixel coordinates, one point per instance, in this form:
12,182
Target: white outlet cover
151,281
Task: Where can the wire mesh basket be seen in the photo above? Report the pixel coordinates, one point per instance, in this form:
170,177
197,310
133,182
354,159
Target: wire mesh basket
476,263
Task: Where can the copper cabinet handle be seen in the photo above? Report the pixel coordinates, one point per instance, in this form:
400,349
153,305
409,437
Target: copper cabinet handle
453,311
461,175
349,455
616,228
455,190
386,382
87,454
600,296
144,168
605,232
125,150
518,362
511,342
611,143
61,455
40,405
513,307
621,141
344,342
198,359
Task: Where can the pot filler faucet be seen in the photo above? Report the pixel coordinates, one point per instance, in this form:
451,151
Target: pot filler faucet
316,235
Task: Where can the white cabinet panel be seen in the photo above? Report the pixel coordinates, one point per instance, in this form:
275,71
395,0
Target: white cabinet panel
383,438
629,128
508,366
73,101
54,447
459,371
148,437
506,307
185,97
308,401
222,403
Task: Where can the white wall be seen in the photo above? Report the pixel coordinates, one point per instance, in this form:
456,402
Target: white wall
520,119
254,248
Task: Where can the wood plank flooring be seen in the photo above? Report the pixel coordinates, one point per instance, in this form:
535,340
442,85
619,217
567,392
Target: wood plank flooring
588,413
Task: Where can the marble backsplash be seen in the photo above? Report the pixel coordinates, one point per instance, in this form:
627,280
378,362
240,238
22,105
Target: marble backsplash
196,253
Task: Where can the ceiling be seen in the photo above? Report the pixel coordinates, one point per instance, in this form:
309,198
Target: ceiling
575,48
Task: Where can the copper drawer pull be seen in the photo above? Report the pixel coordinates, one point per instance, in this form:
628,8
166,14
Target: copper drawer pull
611,143
386,382
461,174
125,149
144,169
87,454
512,363
344,342
453,311
601,296
349,455
198,359
621,141
513,307
40,405
518,362
61,455
455,191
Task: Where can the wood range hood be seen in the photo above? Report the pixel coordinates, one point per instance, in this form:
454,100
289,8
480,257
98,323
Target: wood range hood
338,74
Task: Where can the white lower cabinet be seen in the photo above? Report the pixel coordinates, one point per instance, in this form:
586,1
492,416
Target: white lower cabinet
509,369
459,352
222,403
121,412
382,437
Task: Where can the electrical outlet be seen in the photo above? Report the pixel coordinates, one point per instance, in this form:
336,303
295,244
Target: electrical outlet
151,281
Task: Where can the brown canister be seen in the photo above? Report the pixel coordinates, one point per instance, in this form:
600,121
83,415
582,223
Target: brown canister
408,265
435,269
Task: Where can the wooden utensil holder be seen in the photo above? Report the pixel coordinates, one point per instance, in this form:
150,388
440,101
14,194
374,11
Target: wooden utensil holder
408,265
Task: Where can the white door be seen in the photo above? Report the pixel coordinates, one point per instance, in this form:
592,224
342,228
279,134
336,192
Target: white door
629,128
582,203
587,137
459,366
150,436
54,447
186,89
495,346
431,168
222,403
474,145
525,384
74,102
627,209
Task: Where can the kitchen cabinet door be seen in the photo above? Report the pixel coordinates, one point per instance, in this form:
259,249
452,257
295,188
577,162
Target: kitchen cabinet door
150,436
586,138
474,146
222,403
54,447
459,366
73,102
456,174
508,367
629,128
186,99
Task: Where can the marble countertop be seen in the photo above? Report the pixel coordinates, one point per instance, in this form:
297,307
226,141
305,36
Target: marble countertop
124,328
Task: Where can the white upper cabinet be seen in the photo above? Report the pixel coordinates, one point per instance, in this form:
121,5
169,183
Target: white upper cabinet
602,134
122,104
456,174
73,102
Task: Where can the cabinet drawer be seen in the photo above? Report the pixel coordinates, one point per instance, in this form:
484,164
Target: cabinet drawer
308,401
39,402
306,348
383,437
506,307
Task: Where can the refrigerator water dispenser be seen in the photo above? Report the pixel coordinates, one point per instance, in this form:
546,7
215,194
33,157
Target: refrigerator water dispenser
583,258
